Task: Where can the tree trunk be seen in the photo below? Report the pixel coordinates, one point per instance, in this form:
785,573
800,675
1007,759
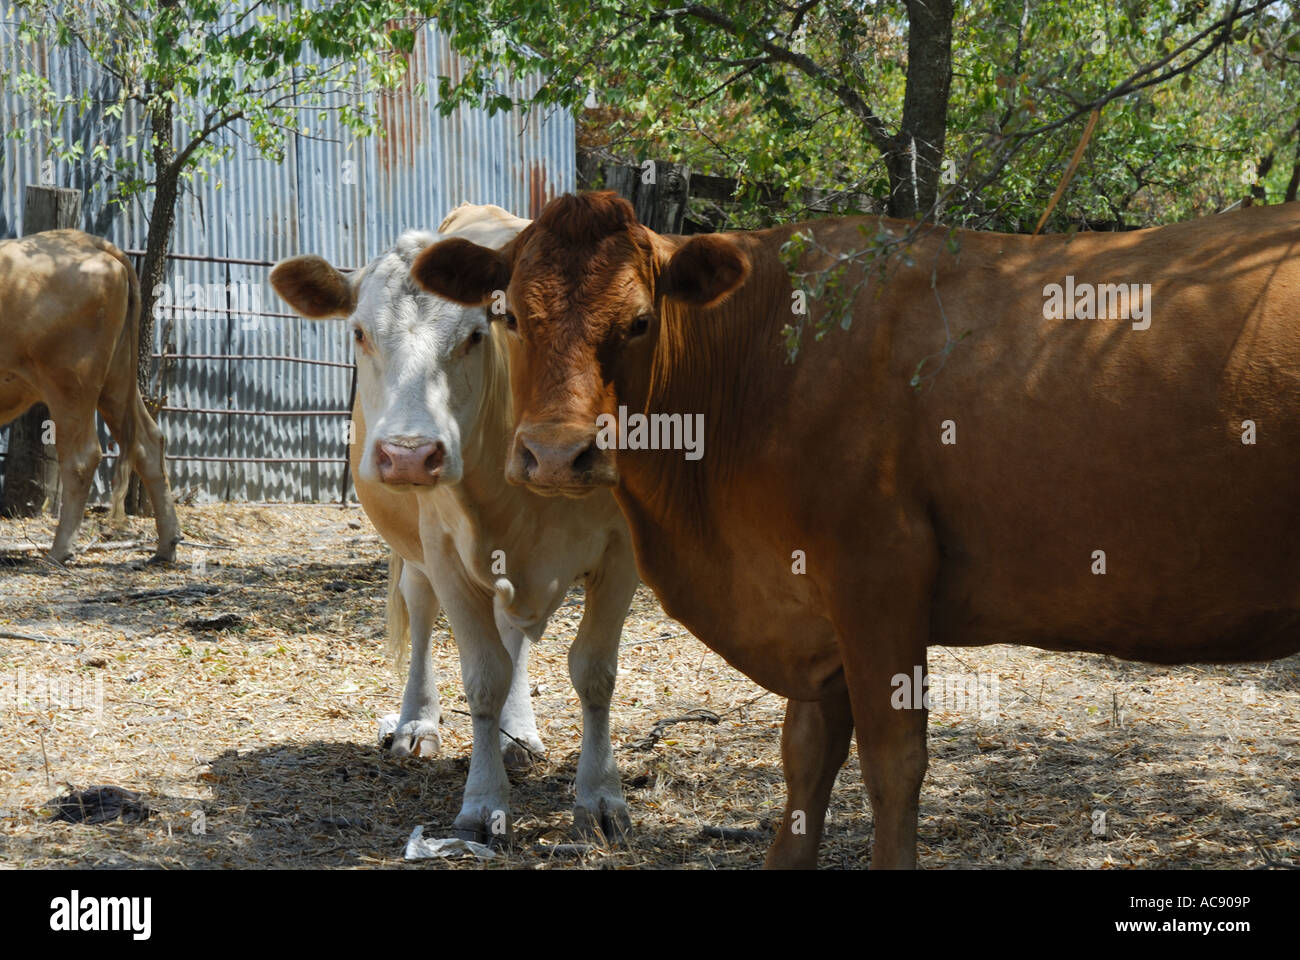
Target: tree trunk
153,271
925,110
31,467
31,474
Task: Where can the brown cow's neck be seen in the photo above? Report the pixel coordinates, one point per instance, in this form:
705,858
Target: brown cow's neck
703,364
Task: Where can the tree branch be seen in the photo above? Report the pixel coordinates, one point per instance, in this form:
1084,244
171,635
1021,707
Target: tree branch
876,129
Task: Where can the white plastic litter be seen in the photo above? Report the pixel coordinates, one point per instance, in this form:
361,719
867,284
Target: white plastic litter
418,847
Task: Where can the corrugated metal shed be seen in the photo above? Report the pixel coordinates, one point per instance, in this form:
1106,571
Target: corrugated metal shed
346,201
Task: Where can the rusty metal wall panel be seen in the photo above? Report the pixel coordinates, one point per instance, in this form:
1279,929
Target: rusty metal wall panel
345,201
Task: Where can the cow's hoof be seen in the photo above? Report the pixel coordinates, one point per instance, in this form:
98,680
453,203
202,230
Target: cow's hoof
487,826
610,821
62,558
159,559
167,553
415,738
522,752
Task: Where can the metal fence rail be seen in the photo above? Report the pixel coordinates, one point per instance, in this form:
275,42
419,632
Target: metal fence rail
226,371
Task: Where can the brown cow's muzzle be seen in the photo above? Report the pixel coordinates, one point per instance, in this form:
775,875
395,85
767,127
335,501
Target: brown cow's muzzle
559,459
418,460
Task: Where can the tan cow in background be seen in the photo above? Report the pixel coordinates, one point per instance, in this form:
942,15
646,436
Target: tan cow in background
69,323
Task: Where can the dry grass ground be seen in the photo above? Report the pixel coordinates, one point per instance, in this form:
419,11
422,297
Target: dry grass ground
263,733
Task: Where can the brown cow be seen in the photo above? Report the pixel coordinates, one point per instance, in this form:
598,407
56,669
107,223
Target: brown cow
1119,485
69,322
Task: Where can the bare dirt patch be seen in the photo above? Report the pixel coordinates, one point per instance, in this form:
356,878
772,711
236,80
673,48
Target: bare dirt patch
239,691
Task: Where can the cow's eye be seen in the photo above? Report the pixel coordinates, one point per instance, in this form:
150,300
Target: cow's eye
359,335
511,322
475,338
640,325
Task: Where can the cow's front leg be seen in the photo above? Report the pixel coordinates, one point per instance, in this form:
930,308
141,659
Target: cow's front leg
520,740
883,629
814,742
892,751
486,669
593,664
415,730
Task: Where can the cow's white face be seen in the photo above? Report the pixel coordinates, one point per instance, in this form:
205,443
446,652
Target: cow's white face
422,367
423,362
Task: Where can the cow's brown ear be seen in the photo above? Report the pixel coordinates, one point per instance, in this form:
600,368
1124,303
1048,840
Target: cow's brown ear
313,288
704,271
461,271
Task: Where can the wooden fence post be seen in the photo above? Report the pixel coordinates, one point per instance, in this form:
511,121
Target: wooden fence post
657,190
623,180
661,197
31,468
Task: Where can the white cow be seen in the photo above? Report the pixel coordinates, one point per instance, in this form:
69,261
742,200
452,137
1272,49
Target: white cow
433,424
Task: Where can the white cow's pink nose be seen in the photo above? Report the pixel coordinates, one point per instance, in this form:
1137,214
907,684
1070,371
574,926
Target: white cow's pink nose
417,462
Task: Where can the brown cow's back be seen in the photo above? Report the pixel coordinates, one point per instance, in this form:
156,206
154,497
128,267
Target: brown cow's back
1077,436
1071,436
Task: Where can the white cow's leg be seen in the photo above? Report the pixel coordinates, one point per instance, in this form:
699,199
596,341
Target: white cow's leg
520,740
593,664
486,669
417,726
